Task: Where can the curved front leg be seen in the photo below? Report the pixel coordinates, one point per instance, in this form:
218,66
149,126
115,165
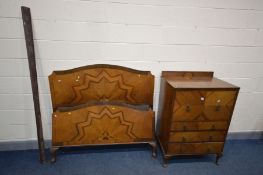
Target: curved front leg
218,156
154,149
53,151
165,161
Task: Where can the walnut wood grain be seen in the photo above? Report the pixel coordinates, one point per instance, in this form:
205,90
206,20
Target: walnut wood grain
195,80
197,136
198,113
102,105
199,126
165,112
195,148
142,107
103,124
203,105
195,112
101,82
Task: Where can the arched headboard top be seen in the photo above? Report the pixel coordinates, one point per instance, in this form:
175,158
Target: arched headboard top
103,83
94,66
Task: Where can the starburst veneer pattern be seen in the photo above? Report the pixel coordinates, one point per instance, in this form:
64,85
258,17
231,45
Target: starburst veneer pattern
102,105
102,124
101,83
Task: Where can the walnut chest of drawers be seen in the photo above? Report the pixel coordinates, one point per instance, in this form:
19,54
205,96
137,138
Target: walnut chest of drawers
195,111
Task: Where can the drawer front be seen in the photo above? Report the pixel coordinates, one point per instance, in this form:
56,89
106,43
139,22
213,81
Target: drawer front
221,98
199,126
199,113
201,136
195,148
189,97
187,113
204,97
203,105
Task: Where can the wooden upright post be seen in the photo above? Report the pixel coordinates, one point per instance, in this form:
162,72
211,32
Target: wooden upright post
27,23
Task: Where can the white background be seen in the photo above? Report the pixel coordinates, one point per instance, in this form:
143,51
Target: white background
224,36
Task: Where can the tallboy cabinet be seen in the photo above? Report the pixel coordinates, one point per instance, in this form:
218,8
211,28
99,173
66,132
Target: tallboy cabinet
195,111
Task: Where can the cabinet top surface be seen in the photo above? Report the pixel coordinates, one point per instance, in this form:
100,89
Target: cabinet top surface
202,80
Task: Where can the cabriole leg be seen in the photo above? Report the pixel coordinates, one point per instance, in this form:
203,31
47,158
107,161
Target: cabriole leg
218,156
165,161
154,149
53,151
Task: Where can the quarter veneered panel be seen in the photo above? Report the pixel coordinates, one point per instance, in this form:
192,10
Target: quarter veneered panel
187,113
198,113
222,98
203,105
189,97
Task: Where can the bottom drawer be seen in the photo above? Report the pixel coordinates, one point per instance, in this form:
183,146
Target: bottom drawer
198,136
195,148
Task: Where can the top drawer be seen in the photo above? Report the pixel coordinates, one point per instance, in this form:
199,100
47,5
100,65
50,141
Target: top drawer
221,98
204,97
200,105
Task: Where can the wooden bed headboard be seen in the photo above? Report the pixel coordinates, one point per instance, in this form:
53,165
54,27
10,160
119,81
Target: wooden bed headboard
101,82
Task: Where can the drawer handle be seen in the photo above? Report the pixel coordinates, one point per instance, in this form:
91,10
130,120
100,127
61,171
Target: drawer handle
185,128
183,139
210,138
188,109
218,108
218,101
213,127
202,98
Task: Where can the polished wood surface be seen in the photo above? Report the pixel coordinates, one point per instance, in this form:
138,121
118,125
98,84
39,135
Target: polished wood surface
197,136
195,113
192,80
195,148
102,105
199,126
102,124
101,82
